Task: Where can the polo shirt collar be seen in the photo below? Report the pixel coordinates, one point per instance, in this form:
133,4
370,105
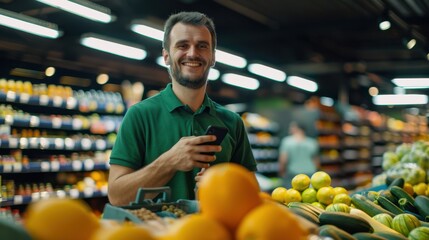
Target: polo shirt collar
172,102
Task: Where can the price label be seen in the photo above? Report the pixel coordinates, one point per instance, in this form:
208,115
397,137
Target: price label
34,121
57,101
59,143
70,143
23,143
77,124
56,122
7,168
35,197
44,143
34,142
88,164
88,192
17,167
74,193
100,144
45,166
61,194
8,119
71,103
24,98
86,143
13,142
55,166
44,100
18,199
10,96
76,165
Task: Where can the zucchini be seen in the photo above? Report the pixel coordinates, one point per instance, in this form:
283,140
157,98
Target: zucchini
335,233
399,182
388,205
406,205
368,236
391,236
347,222
387,194
368,206
422,205
401,193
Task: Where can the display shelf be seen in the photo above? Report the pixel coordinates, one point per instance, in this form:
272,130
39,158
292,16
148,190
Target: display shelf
72,193
45,143
54,166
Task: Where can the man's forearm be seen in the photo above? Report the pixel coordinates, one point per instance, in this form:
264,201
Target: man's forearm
123,190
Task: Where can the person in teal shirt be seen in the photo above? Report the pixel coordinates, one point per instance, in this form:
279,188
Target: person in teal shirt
159,140
298,153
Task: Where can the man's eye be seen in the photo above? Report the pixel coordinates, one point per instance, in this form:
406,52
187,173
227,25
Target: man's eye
204,46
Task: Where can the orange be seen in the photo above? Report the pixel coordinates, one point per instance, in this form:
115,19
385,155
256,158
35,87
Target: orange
227,192
343,198
325,195
309,195
300,182
271,221
320,179
278,194
339,190
409,188
55,218
292,195
197,227
125,231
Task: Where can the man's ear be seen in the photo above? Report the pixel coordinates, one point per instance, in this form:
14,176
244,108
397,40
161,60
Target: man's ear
213,59
166,57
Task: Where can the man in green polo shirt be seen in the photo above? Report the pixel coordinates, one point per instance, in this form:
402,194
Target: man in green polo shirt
159,141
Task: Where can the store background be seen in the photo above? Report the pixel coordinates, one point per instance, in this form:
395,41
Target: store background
335,43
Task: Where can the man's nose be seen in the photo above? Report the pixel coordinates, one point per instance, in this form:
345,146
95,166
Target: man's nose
192,51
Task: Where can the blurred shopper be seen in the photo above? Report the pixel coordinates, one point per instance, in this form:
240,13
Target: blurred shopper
298,153
159,141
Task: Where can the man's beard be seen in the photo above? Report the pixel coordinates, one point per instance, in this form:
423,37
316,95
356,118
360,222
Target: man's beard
186,81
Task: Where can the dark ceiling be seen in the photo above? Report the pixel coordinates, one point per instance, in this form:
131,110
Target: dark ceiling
336,43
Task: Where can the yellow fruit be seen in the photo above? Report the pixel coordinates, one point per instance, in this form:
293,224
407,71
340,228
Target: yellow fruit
319,205
65,219
309,195
227,192
197,227
279,194
420,189
292,195
125,231
320,179
270,221
325,195
300,182
409,188
343,198
339,190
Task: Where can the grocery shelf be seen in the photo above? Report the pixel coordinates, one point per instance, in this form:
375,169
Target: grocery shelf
54,166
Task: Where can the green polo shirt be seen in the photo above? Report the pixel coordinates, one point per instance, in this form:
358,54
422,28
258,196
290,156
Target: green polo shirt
152,126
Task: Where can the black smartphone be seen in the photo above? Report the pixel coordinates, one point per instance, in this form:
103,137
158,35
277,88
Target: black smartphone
219,132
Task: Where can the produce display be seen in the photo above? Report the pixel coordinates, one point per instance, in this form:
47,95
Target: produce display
232,207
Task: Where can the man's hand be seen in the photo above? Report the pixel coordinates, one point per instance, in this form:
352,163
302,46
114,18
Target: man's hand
187,153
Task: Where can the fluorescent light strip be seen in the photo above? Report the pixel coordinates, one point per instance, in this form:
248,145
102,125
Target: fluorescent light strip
230,59
302,83
29,24
147,31
82,8
268,72
400,99
240,81
411,83
113,46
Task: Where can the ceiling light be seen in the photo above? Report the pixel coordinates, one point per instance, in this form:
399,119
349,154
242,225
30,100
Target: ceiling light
384,25
102,78
373,91
267,72
213,74
410,42
411,83
29,24
230,59
83,8
114,46
50,71
240,81
327,101
139,27
400,99
302,83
